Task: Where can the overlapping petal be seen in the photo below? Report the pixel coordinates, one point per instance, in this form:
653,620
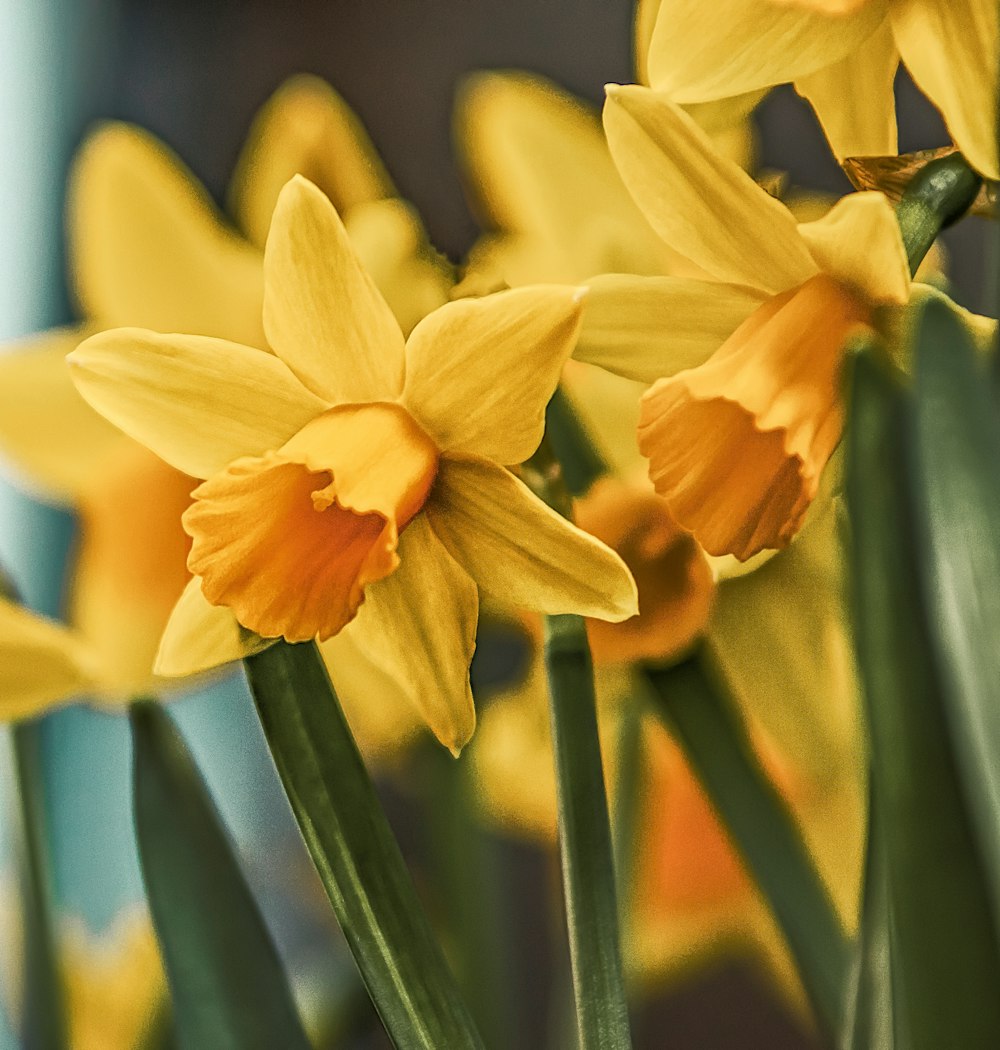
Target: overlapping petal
419,626
647,327
148,248
307,129
50,439
702,51
521,552
738,233
950,48
858,241
854,98
199,637
198,403
41,663
479,372
323,315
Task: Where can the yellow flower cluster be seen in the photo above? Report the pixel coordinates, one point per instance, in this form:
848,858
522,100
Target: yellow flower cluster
329,449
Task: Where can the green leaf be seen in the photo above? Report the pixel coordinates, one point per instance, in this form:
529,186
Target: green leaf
945,966
957,495
585,839
696,709
580,462
229,989
355,851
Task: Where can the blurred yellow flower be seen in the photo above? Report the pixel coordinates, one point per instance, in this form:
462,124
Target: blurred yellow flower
147,247
842,55
41,663
744,410
352,442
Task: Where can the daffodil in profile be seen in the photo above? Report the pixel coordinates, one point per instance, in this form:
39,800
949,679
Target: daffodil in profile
842,55
148,247
354,480
744,409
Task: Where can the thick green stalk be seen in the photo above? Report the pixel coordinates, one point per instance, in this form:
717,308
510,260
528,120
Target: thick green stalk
584,829
355,852
702,719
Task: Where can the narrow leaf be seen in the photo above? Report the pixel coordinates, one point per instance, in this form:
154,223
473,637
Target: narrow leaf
355,851
946,970
228,986
694,706
585,839
957,496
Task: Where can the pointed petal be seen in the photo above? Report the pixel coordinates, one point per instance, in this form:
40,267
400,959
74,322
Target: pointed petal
854,98
699,52
148,248
198,403
200,636
950,48
643,23
858,242
737,232
419,626
521,552
479,372
305,128
323,315
53,442
647,327
41,663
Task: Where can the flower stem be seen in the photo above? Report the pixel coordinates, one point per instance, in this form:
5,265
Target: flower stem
584,829
355,852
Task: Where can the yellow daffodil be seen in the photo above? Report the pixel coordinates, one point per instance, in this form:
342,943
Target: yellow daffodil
744,408
354,480
147,247
842,55
41,663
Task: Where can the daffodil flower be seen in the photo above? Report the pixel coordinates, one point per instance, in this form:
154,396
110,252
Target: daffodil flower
147,247
744,410
842,55
41,663
354,480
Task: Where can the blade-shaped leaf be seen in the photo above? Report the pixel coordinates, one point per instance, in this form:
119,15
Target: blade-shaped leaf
355,852
228,986
946,969
694,707
957,495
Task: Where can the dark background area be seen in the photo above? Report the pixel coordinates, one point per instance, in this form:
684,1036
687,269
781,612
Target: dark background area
194,73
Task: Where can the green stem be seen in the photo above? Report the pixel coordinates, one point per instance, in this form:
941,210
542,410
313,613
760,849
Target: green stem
937,196
355,852
628,795
702,719
44,1011
584,830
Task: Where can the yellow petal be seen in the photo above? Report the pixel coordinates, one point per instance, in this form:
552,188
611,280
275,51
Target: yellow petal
647,327
950,48
854,98
323,315
199,637
392,245
521,552
305,128
148,248
41,663
479,372
290,540
701,204
699,52
859,243
643,22
419,626
54,443
198,403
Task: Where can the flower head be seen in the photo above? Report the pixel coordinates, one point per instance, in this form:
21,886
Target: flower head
354,478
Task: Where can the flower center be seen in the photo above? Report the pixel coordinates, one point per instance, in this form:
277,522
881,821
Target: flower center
289,540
